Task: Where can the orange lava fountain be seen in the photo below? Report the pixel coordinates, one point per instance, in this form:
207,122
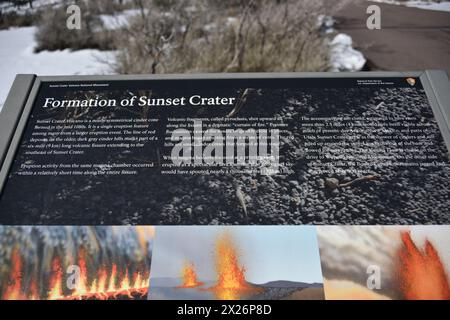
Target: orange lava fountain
189,276
231,283
81,288
110,285
55,291
13,290
422,274
105,285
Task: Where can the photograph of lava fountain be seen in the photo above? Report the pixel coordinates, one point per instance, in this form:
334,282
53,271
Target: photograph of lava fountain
385,262
236,263
75,262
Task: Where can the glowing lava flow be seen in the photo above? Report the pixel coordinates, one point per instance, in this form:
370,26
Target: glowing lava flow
231,283
190,276
422,274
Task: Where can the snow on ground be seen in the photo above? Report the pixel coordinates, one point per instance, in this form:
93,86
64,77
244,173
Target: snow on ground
118,20
17,56
25,8
343,57
441,6
326,24
427,5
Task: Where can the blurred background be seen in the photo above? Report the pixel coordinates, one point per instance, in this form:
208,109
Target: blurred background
185,36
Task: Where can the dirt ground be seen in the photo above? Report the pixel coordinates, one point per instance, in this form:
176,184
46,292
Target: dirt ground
410,39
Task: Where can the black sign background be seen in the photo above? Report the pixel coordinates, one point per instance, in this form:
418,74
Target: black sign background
399,195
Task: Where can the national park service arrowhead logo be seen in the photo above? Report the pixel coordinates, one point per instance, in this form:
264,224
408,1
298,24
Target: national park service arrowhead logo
411,81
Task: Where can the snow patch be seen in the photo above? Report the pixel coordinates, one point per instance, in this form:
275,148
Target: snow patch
325,24
25,8
437,6
426,5
17,56
118,20
343,57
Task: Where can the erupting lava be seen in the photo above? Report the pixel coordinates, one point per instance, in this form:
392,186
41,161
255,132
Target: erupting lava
189,276
105,285
422,274
231,283
13,290
55,291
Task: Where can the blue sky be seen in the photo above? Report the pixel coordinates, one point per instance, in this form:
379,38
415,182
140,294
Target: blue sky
268,252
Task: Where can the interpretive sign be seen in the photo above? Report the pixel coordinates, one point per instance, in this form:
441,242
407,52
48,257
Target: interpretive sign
360,148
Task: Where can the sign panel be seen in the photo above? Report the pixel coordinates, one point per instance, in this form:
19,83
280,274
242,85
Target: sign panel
328,150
